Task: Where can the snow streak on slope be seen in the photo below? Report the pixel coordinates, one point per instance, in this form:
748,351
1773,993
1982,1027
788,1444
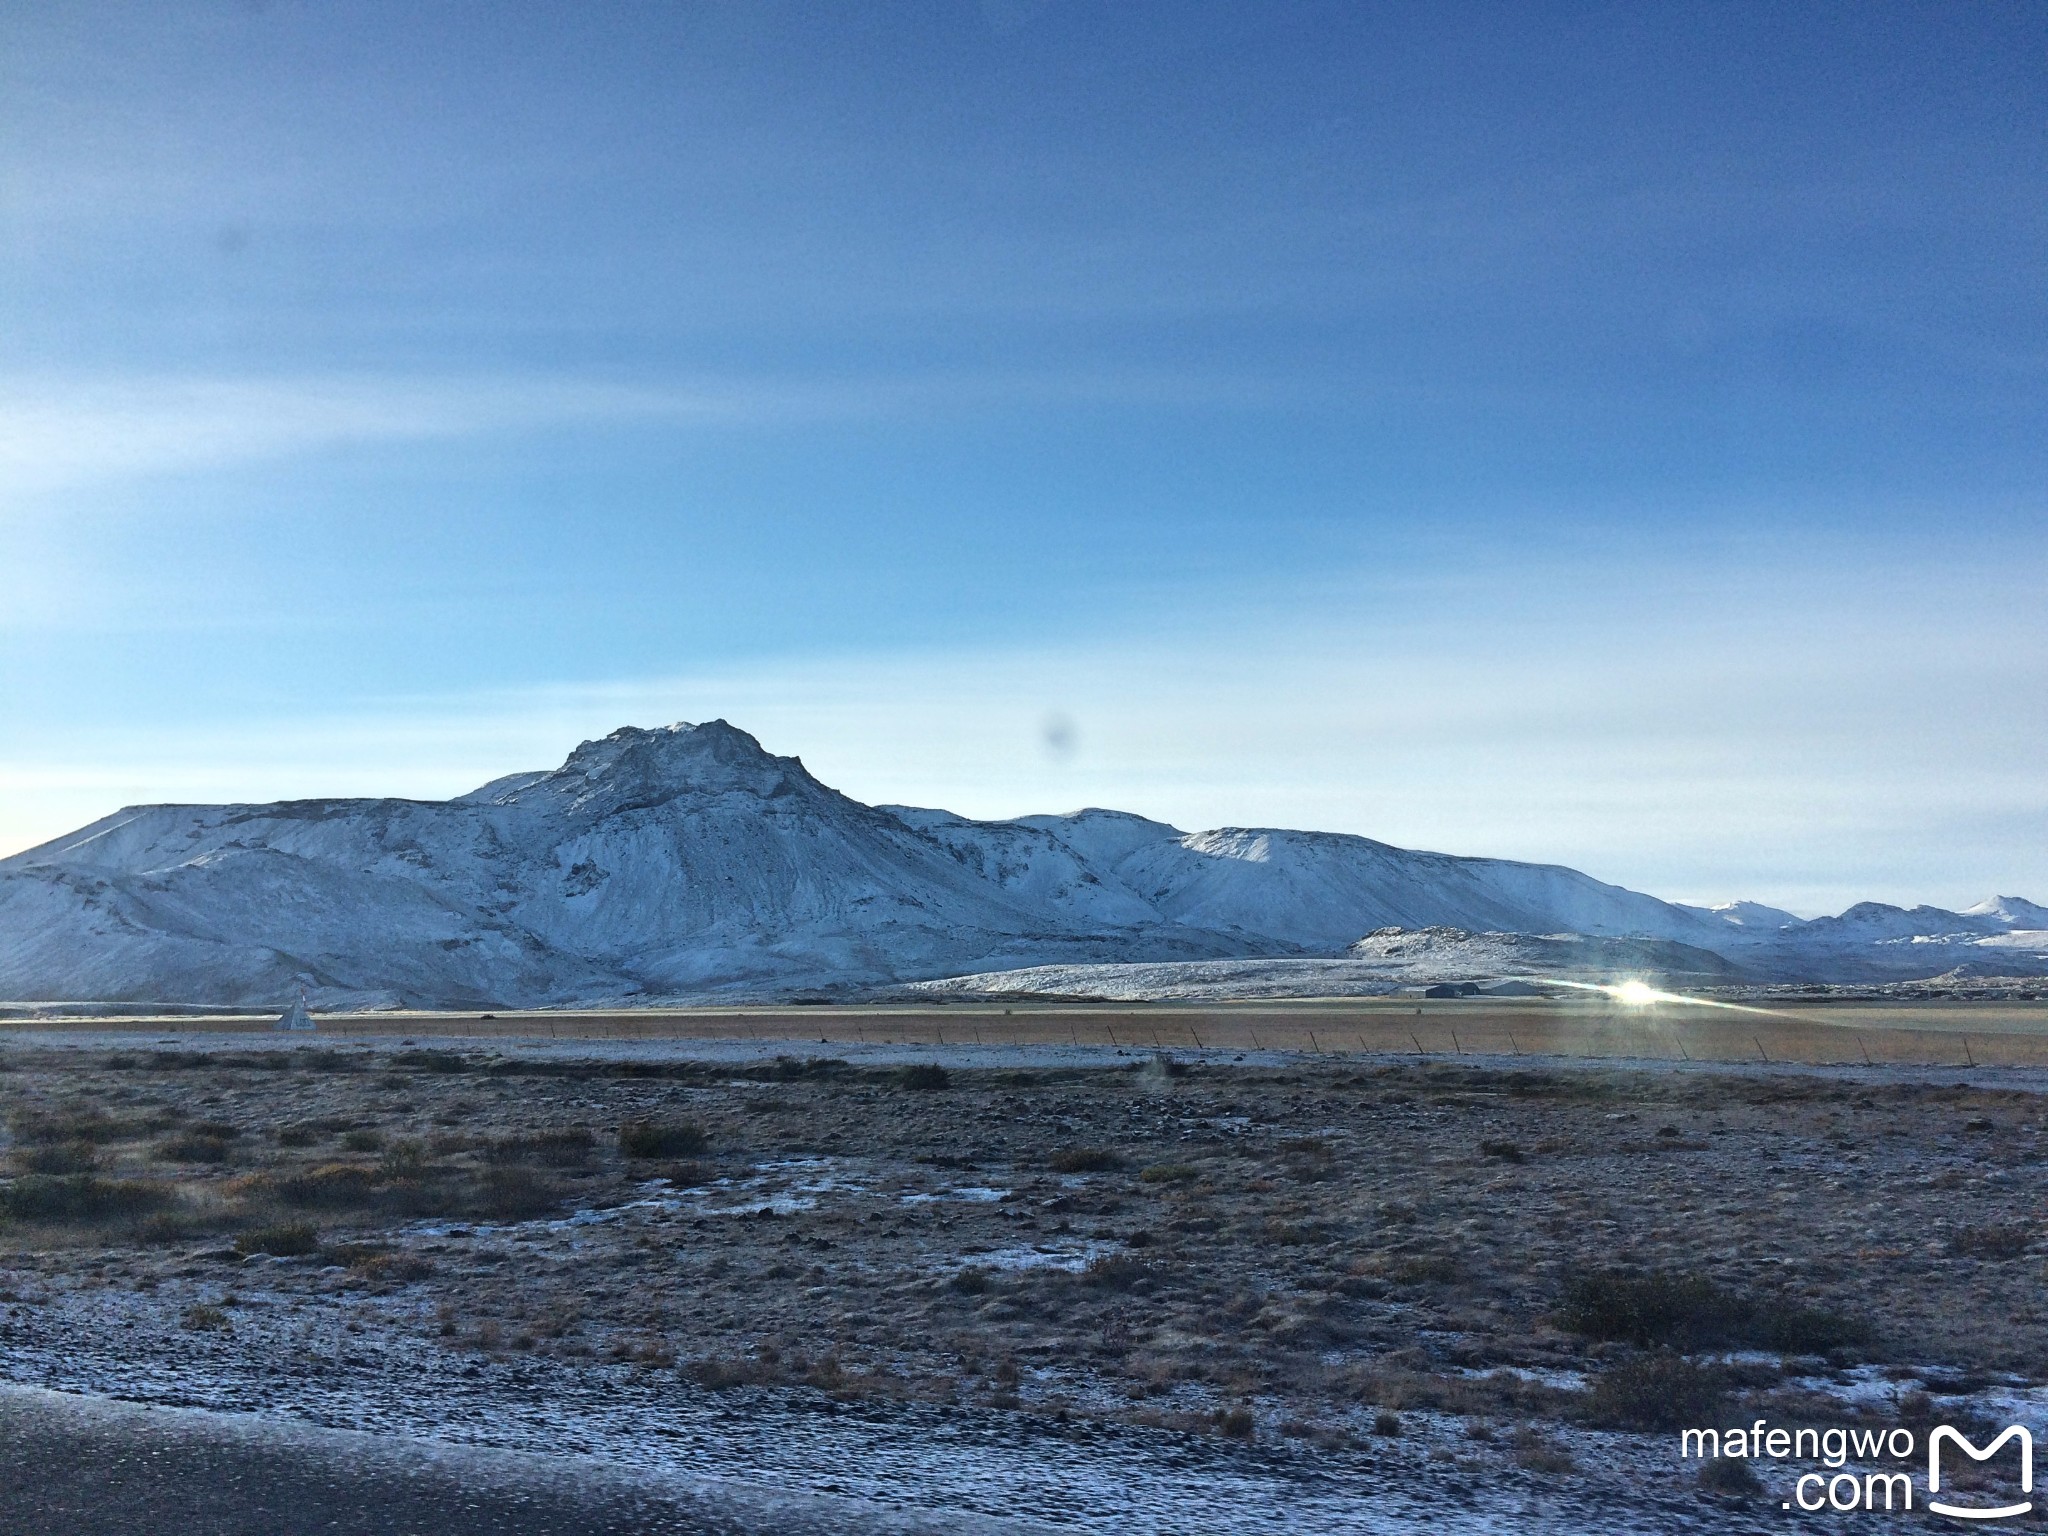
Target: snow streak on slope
1379,963
687,862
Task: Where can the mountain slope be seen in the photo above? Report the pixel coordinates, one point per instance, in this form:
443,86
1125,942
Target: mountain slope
688,862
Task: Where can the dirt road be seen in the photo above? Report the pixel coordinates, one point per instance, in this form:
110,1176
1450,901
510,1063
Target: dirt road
72,1465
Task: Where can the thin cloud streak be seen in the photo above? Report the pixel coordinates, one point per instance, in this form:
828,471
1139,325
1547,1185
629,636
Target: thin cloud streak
1807,776
61,432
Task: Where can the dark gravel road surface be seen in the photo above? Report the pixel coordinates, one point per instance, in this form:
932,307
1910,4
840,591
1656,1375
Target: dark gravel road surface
90,1465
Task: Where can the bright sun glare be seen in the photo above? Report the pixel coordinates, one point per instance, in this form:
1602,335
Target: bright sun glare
1635,993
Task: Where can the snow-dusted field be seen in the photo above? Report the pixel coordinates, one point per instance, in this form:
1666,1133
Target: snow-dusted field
1063,1287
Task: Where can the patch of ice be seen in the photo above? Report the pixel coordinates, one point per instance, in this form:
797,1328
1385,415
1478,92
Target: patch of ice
978,1193
1070,1257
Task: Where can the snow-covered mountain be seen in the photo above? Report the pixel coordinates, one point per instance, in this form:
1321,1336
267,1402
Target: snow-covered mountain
687,862
1752,916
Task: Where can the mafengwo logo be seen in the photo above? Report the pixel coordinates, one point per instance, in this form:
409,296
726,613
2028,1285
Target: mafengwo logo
1987,1497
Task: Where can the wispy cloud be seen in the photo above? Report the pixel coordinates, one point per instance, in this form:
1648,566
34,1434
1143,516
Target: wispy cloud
66,430
56,432
1807,756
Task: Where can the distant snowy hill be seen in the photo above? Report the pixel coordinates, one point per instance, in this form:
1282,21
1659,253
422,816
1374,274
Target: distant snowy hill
1752,916
687,862
1377,964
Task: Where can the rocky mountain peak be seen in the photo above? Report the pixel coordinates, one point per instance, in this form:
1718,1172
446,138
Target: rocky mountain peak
636,766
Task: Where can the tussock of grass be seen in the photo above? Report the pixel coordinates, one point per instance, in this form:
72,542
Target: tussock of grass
66,1157
1992,1242
662,1138
561,1147
1117,1272
332,1186
514,1192
287,1240
925,1075
1426,1269
407,1185
209,1143
1084,1160
1236,1424
1536,1452
378,1263
90,1126
689,1175
1657,1391
721,1373
1684,1311
80,1197
1729,1475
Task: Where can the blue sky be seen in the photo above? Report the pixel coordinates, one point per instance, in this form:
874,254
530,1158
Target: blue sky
1604,433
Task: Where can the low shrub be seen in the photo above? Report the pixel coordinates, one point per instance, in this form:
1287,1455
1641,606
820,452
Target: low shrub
1806,1330
393,1268
925,1075
1536,1452
721,1373
1729,1475
562,1147
1117,1271
1691,1312
1084,1160
1506,1151
1992,1242
329,1187
971,1281
430,1061
80,1197
1169,1173
193,1146
1236,1424
90,1126
662,1138
363,1141
514,1192
287,1240
65,1157
1426,1269
1656,1391
202,1318
174,1228
1676,1311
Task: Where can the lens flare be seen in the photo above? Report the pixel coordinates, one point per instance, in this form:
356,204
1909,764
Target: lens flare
1634,993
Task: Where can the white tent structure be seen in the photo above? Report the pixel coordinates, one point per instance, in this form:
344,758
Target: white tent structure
296,1016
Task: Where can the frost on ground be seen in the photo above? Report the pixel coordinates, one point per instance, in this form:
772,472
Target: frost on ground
1339,1295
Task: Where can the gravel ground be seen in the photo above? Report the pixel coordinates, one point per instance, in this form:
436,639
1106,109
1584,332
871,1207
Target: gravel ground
1073,1290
